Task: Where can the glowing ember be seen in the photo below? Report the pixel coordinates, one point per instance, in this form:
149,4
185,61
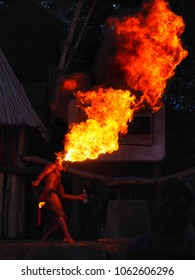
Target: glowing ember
148,51
42,204
70,84
74,82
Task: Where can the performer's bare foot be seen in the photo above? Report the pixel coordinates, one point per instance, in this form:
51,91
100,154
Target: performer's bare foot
69,240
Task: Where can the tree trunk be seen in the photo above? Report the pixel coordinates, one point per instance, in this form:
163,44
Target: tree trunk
80,37
70,36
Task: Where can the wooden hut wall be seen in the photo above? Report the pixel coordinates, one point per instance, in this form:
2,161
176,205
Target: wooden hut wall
16,114
9,142
12,207
12,186
15,226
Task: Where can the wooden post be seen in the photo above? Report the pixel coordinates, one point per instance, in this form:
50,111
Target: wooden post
21,147
21,187
1,202
12,207
5,206
15,196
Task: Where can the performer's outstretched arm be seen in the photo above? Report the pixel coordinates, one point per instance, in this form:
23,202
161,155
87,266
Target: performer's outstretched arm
64,195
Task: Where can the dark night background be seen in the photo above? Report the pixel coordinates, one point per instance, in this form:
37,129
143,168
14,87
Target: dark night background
32,35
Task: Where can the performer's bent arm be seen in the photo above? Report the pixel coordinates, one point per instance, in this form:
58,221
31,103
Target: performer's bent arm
64,195
46,171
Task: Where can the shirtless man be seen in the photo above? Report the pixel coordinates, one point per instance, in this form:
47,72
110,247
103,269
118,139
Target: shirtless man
52,192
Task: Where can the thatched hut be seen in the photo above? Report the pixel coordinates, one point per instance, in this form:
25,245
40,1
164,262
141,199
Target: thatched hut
16,117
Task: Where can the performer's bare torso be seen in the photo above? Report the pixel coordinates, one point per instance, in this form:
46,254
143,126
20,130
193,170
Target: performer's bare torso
54,192
53,180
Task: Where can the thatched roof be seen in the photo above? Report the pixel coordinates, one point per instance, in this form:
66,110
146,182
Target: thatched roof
15,107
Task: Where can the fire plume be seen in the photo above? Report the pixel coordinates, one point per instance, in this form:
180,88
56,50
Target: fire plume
108,112
148,51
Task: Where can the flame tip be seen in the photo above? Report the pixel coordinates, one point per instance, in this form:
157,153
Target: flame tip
148,51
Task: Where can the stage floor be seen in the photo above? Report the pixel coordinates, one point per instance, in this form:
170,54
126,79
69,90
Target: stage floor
58,250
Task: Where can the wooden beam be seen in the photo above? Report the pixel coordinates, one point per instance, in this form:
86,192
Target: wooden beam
19,170
108,181
131,180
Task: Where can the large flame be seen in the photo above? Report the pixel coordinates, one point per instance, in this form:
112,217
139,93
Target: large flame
108,113
148,51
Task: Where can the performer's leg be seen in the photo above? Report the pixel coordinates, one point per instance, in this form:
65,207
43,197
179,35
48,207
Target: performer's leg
56,207
63,224
54,226
49,232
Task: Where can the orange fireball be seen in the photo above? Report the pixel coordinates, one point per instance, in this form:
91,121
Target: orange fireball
148,50
108,113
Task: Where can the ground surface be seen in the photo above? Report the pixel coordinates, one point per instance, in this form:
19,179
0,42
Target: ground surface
58,250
